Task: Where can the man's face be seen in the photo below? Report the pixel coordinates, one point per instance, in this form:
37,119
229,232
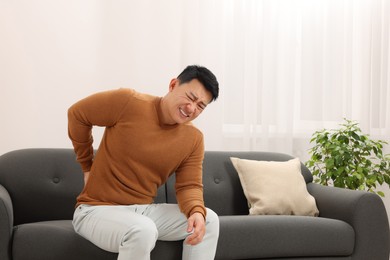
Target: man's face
185,102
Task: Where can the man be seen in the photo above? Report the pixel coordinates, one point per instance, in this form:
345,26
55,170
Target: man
146,139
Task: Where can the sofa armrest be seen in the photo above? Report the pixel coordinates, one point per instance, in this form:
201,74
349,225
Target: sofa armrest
6,223
364,211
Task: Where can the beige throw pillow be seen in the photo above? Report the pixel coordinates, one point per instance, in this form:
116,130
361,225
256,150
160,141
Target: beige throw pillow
275,188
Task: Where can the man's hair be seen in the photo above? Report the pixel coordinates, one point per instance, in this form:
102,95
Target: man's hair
204,75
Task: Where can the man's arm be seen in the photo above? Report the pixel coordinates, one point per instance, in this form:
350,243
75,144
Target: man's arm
189,193
101,109
189,185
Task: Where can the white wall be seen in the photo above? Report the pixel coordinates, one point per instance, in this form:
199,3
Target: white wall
53,53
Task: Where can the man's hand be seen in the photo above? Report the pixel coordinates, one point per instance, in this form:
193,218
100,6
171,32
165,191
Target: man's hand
86,176
196,226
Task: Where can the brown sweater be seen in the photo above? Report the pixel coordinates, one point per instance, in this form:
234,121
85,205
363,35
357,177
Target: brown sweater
137,153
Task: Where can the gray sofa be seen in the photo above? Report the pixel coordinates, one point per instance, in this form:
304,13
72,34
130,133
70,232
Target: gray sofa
38,188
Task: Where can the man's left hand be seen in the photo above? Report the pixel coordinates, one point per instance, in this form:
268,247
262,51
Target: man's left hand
196,226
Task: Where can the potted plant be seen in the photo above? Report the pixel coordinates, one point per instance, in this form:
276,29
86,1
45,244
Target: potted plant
347,158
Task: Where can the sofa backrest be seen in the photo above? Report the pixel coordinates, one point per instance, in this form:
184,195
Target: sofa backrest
221,185
43,183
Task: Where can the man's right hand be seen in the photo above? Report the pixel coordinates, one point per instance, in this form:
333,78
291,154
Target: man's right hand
86,176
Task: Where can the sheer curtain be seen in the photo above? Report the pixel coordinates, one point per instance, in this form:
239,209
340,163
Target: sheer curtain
286,67
289,68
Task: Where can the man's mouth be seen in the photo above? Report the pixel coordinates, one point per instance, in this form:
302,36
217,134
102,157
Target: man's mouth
183,113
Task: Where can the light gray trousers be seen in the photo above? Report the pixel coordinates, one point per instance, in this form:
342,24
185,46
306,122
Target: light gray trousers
132,231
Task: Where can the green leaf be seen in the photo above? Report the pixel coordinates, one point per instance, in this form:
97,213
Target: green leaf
340,170
355,136
329,163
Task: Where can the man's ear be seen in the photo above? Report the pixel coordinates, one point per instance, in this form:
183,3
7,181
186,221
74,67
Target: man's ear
174,82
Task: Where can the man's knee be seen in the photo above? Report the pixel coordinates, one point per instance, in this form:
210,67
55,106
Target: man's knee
212,222
143,235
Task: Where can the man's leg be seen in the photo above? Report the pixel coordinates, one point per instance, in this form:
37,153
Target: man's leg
118,229
172,226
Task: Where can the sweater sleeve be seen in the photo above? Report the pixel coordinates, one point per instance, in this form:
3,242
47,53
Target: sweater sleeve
101,109
189,187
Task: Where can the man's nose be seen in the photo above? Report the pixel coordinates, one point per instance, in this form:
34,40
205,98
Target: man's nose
191,107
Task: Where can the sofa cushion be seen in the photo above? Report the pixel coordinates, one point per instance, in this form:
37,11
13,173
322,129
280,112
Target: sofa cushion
57,240
263,236
275,188
222,188
241,237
